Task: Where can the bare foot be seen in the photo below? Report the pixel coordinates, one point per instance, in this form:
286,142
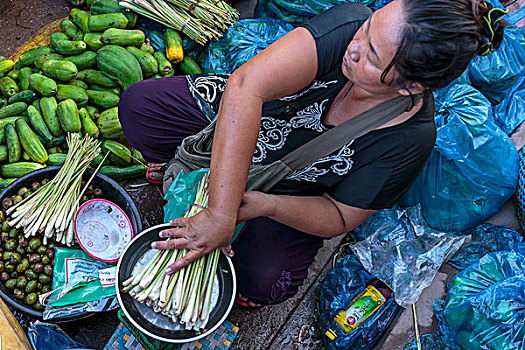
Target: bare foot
244,301
156,173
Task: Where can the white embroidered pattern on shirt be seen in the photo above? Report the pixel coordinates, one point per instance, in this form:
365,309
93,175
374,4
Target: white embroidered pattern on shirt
272,136
310,117
339,164
316,84
208,87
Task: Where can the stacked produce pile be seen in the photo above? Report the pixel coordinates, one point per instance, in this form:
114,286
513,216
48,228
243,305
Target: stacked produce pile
74,86
186,295
39,212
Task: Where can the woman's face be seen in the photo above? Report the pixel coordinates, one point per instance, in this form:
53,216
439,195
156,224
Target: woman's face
372,48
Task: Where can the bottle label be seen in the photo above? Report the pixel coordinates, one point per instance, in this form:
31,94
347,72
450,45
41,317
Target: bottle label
362,306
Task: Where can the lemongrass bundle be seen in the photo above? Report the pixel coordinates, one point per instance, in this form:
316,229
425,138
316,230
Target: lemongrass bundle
200,20
184,296
50,210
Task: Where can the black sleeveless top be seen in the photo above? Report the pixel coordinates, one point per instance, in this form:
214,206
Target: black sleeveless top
370,172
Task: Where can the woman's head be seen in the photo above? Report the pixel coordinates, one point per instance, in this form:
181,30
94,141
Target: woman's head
426,43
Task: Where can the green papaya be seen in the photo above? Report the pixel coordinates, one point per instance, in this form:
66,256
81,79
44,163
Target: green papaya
119,64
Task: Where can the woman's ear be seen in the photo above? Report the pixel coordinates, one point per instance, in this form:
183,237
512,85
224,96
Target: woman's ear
411,88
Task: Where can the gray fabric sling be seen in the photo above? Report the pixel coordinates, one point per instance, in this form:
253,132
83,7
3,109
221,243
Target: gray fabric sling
195,151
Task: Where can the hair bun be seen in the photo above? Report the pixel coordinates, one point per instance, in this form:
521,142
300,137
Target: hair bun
489,17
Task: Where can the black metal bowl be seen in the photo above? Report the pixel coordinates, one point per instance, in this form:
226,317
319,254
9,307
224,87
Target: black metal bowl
133,252
112,191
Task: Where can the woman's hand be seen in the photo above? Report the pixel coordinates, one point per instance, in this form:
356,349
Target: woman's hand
255,204
200,234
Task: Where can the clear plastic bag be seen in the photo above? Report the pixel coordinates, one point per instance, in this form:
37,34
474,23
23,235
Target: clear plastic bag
484,308
473,169
495,74
403,252
77,286
340,285
242,41
486,238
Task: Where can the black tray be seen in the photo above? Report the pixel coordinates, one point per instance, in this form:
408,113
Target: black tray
112,191
133,252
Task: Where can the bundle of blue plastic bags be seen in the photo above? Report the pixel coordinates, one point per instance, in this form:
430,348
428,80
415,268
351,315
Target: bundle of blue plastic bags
242,41
473,169
485,304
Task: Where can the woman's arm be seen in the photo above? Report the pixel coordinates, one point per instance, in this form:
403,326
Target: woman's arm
319,216
283,68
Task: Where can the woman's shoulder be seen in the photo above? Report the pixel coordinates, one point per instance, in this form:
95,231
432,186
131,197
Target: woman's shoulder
336,17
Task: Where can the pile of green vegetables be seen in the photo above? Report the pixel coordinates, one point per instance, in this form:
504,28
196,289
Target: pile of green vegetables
73,85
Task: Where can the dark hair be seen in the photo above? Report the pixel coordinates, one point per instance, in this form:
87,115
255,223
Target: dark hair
439,39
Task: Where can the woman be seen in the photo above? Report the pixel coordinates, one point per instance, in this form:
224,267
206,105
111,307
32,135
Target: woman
334,67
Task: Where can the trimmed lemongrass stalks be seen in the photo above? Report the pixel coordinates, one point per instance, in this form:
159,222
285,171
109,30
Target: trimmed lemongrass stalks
184,296
200,20
51,209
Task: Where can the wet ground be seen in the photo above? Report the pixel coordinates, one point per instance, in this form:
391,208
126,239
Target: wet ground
290,325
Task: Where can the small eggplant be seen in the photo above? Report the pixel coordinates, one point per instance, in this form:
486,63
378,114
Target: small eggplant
19,294
21,282
11,284
38,268
31,299
7,203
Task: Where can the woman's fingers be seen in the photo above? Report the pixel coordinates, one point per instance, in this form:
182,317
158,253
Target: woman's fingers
172,233
227,250
187,259
178,243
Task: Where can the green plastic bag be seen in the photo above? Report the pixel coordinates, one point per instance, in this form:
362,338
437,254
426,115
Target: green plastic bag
76,279
181,194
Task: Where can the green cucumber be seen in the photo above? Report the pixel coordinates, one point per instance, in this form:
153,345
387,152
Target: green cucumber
38,124
67,112
121,174
44,85
8,86
26,96
23,78
88,125
48,106
104,99
13,143
56,159
75,93
16,108
19,169
28,58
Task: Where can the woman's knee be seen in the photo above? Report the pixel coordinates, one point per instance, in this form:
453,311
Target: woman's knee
270,285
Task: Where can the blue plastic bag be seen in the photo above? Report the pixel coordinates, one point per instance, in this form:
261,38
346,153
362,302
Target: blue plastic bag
495,74
473,169
486,238
242,41
485,304
340,285
299,11
49,336
510,113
